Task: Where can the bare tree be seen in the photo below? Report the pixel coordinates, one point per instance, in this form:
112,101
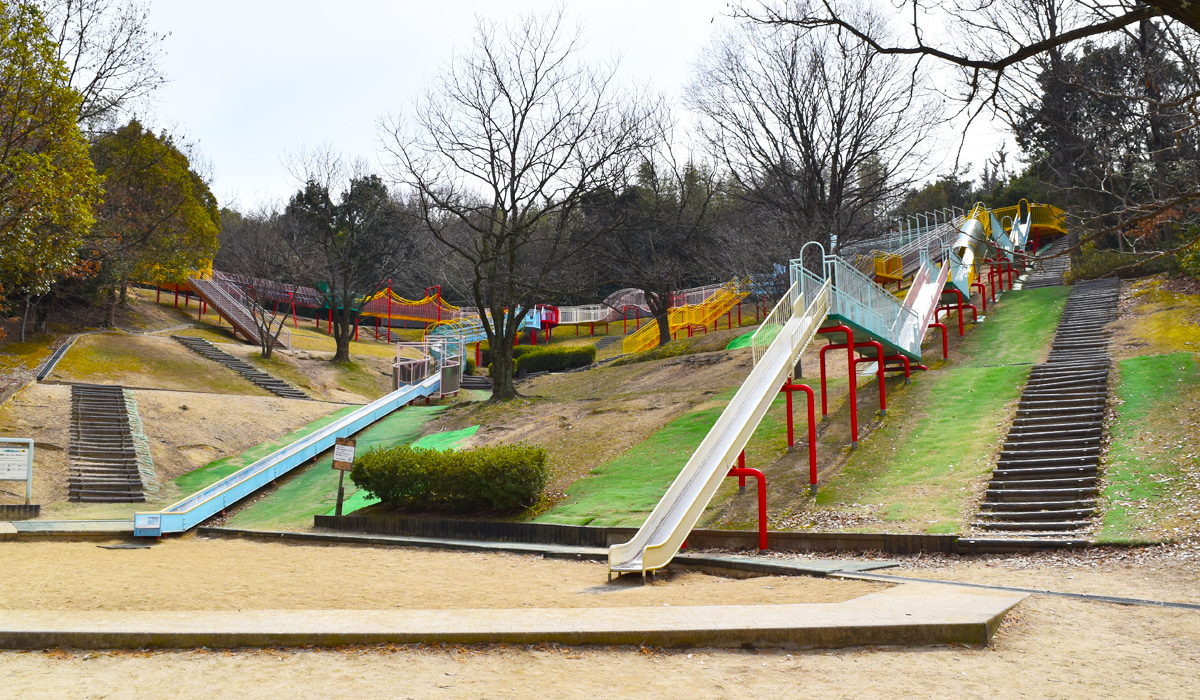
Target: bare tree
110,53
816,128
1020,57
663,230
502,152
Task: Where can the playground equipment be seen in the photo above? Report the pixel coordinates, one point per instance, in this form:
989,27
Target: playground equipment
664,531
834,299
204,504
707,308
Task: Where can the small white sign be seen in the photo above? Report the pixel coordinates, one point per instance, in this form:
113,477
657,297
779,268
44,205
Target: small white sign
343,453
14,463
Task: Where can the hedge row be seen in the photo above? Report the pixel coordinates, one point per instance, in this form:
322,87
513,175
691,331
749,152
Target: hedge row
517,352
499,479
556,359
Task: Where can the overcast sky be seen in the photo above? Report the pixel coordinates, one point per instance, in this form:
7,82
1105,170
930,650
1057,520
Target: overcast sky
254,80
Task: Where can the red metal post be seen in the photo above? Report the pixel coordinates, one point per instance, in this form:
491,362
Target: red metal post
389,331
787,389
478,360
742,465
853,380
982,293
945,340
157,294
177,296
742,472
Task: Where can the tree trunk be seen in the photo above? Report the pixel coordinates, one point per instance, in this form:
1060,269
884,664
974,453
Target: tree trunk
110,319
124,292
660,308
500,341
342,330
25,316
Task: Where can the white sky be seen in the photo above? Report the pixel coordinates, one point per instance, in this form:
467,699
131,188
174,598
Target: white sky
254,80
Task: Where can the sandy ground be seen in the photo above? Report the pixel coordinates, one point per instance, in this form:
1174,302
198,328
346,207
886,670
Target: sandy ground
1048,647
186,430
273,576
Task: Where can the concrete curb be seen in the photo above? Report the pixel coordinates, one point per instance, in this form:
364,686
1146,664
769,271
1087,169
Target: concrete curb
906,615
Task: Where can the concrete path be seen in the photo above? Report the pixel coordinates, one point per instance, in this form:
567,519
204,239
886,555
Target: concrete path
910,614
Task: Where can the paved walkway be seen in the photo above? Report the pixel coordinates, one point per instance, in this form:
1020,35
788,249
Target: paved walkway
910,614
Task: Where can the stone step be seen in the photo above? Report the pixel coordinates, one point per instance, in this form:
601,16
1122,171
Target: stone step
1037,515
1049,484
1008,475
1013,495
1057,526
1005,506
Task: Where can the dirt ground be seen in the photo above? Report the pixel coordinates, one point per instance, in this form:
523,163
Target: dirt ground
1048,647
186,430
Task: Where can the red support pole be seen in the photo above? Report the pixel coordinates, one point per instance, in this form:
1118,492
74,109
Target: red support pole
982,293
741,472
292,300
157,294
739,314
330,331
945,340
356,329
389,332
742,465
593,328
853,379
787,389
624,324
177,296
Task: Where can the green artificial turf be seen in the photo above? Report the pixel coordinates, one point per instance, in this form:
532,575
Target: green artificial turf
1154,455
742,341
623,491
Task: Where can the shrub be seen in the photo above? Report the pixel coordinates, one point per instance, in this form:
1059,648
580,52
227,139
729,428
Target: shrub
502,479
486,354
556,359
470,368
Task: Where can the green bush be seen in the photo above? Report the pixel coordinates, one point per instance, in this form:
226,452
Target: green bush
556,359
517,352
499,479
470,368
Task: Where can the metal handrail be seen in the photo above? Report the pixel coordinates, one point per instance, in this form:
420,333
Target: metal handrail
232,292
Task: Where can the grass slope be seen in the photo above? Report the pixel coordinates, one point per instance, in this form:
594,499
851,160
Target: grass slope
215,471
924,467
1153,463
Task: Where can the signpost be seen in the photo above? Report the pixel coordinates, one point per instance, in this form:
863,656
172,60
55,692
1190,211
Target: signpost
16,463
343,461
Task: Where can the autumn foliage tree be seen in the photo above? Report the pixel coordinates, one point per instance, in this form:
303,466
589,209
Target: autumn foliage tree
159,221
47,183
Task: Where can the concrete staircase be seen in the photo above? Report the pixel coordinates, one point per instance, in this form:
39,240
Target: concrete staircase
1046,481
104,464
1049,273
272,384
